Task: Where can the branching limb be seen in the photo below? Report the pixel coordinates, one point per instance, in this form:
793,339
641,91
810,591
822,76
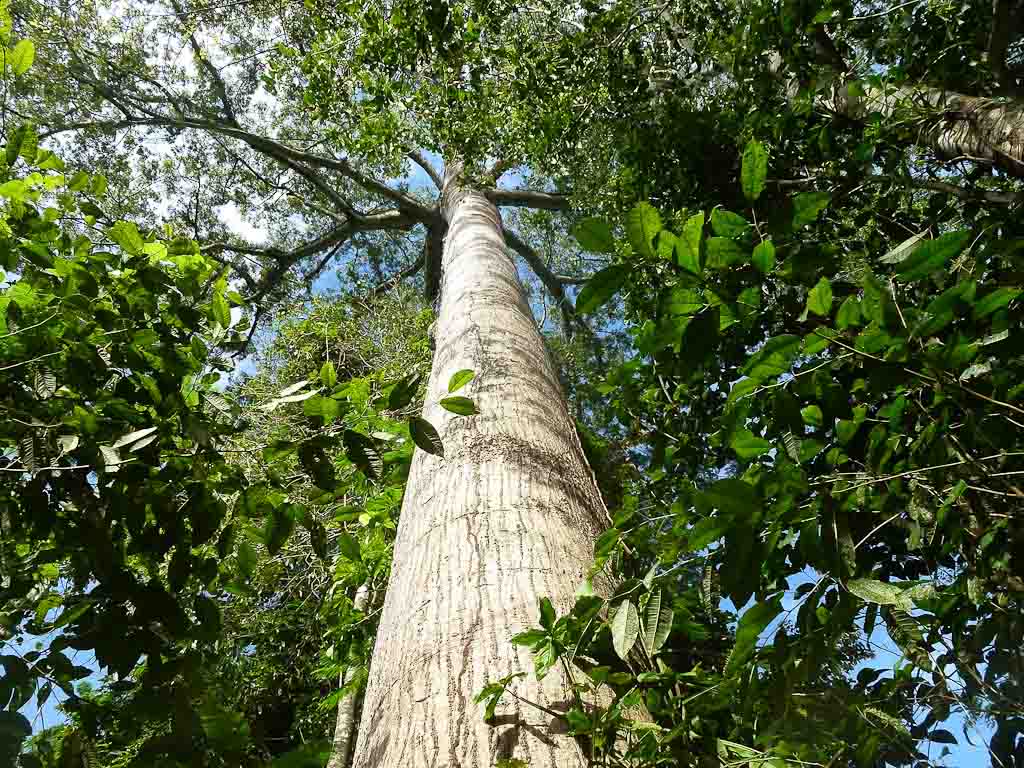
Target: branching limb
397,278
525,198
215,78
1006,19
417,157
546,276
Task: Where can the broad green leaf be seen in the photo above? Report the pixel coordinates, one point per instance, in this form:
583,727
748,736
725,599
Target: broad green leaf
649,628
348,546
600,288
126,235
362,452
221,310
728,224
425,436
932,255
903,250
774,358
667,245
995,300
403,392
20,57
643,223
764,256
688,246
460,379
819,300
754,169
807,206
752,623
547,613
328,376
594,234
812,415
463,406
625,628
748,445
879,592
849,313
732,496
724,252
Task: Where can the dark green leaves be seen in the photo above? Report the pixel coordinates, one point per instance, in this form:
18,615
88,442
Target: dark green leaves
643,223
754,169
728,224
819,300
594,234
932,255
688,245
764,256
749,446
774,358
752,623
362,451
403,392
425,436
600,288
807,206
462,406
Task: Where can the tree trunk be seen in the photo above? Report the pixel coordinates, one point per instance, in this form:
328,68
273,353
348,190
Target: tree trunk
954,125
508,515
344,727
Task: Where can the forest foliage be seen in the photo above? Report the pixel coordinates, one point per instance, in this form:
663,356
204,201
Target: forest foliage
787,290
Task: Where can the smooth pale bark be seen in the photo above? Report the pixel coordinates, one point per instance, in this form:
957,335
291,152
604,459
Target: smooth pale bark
345,726
952,124
507,516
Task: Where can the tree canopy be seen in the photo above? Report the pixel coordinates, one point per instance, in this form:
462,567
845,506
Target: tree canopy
774,248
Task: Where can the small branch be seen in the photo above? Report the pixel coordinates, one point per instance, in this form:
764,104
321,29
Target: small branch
1006,17
417,157
206,64
397,278
546,276
525,198
498,170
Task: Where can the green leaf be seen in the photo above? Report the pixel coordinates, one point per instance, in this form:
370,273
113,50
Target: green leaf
754,169
748,445
812,415
996,300
752,623
819,301
348,546
362,452
643,223
403,392
328,376
133,437
903,250
530,637
688,246
600,288
849,313
425,436
126,235
732,496
460,379
728,224
764,256
463,406
932,255
20,57
625,628
773,359
724,252
807,206
547,613
595,235
221,310
879,592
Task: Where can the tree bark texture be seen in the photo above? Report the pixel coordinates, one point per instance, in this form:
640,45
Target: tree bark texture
508,515
952,124
345,726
